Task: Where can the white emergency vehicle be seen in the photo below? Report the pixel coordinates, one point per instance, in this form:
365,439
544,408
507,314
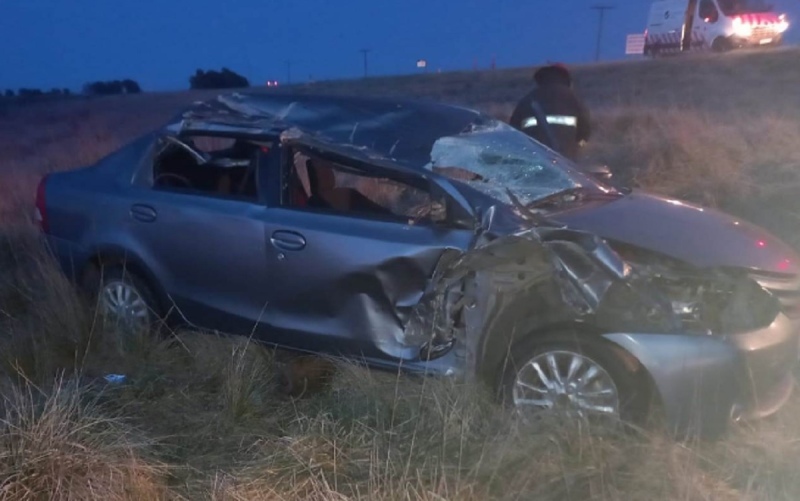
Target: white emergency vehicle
719,25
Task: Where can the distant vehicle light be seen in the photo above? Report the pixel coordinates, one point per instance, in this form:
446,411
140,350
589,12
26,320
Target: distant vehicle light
782,24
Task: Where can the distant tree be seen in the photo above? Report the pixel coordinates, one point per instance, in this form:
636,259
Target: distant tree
131,87
9,93
66,91
212,79
55,92
28,93
112,87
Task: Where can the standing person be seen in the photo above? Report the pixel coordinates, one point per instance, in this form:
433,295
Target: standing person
567,127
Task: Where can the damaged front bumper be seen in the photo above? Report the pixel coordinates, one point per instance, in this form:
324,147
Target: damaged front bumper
705,382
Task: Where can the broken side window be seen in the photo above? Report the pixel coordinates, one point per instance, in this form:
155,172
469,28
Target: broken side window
207,165
317,183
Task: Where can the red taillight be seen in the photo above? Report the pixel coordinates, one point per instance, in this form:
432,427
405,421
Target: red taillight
41,205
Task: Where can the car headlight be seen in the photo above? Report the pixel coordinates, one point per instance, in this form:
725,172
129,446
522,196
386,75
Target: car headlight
718,302
704,301
742,29
782,25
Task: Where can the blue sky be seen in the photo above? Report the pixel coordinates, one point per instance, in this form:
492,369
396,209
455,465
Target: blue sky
159,43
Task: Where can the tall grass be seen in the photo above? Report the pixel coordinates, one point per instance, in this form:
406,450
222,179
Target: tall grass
56,443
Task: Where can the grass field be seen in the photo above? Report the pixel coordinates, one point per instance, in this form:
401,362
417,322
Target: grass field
200,416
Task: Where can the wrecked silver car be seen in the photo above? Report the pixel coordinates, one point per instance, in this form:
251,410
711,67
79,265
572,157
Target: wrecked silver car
439,240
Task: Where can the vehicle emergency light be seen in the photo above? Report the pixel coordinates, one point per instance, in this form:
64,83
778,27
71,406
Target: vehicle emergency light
742,28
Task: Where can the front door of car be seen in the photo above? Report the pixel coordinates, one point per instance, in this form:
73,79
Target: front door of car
346,281
205,248
348,284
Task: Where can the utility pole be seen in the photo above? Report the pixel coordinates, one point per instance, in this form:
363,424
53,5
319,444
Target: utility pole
601,10
365,52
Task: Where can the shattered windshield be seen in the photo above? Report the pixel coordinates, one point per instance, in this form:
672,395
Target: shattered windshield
499,158
733,7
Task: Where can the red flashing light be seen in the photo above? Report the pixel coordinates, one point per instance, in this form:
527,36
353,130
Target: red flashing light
784,265
761,243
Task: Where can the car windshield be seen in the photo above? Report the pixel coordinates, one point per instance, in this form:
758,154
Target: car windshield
733,7
498,159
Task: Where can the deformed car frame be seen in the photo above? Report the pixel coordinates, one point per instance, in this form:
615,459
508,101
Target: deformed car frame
506,273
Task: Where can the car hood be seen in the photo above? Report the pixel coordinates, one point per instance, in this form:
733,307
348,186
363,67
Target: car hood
700,236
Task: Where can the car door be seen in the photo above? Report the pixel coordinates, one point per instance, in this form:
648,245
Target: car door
207,252
705,23
347,282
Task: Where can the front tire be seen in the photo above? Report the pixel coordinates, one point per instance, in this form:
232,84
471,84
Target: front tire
721,44
574,375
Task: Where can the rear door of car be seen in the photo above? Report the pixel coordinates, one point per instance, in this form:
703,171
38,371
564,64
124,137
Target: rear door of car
347,282
207,251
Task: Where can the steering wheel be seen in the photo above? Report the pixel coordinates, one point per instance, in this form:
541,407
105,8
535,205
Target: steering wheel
170,175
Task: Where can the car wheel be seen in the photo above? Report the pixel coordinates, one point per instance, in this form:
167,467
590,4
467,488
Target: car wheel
577,378
125,300
721,44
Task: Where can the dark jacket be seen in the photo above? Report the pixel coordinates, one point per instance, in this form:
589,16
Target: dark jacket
567,116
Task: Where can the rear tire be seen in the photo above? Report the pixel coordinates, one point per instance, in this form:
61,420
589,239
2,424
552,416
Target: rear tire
631,384
124,299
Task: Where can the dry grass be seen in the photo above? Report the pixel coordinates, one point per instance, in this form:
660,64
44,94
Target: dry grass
57,444
200,415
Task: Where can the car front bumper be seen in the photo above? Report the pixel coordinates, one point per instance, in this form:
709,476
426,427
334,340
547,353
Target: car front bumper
706,382
757,39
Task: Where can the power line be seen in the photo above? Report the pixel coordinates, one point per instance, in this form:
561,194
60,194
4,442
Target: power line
601,10
365,52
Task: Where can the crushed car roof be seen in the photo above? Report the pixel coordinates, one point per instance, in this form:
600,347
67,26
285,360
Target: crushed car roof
403,130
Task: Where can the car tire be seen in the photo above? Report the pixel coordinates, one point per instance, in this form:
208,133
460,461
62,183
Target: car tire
118,285
632,385
720,44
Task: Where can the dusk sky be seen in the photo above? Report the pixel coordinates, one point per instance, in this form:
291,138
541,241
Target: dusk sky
159,43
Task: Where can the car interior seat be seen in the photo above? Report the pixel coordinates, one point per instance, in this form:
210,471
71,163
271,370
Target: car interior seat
324,192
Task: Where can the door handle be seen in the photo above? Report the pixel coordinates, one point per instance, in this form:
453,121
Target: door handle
288,240
143,213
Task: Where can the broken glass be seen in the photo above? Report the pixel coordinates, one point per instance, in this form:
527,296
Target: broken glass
497,159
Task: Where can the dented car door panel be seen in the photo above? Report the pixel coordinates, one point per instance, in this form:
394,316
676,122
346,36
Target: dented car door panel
350,282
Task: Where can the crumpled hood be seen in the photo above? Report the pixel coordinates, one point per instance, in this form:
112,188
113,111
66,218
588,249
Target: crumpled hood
700,236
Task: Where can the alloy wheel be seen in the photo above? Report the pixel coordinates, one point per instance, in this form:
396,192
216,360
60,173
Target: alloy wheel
124,305
565,382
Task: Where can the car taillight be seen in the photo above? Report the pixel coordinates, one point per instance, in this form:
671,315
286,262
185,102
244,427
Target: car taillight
40,213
